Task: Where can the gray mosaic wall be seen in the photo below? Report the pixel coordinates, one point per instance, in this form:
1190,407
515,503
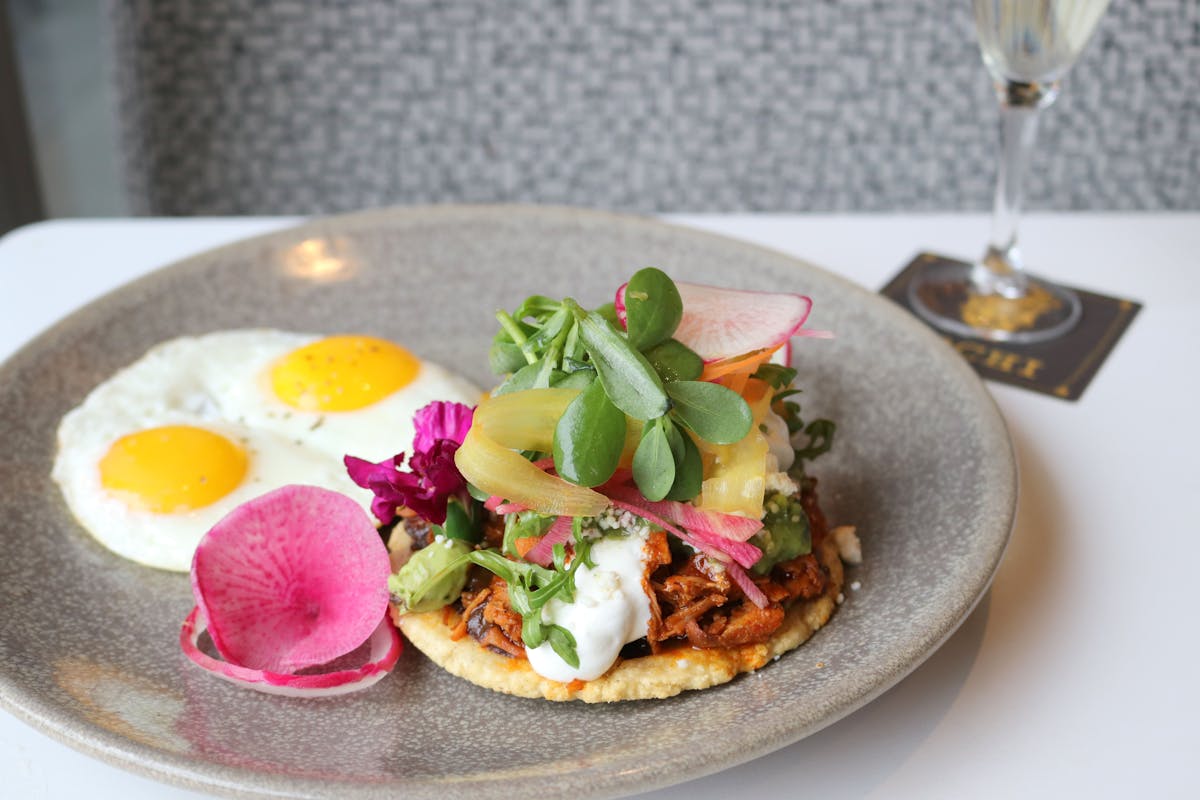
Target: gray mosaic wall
287,106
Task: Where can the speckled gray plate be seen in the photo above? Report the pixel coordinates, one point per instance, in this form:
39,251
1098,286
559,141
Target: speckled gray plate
88,642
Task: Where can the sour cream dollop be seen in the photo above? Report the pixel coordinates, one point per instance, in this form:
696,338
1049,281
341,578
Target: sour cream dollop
610,610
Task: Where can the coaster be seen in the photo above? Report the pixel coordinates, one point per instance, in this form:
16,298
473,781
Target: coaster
1061,368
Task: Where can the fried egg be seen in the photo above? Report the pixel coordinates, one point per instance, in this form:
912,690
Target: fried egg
163,449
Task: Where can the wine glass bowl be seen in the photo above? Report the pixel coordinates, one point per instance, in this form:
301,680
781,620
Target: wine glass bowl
1027,46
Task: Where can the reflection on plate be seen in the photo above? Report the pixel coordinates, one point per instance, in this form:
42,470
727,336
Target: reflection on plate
88,651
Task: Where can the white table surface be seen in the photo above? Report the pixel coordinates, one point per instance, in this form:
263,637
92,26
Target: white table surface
1075,677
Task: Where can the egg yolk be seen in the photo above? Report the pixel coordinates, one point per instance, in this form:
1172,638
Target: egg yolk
172,468
342,373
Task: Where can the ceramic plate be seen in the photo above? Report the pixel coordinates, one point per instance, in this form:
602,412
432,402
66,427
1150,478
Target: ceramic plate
922,465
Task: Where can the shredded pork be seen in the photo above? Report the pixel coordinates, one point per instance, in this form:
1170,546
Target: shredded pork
691,602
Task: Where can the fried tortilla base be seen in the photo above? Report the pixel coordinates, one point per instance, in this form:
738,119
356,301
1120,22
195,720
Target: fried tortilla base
648,677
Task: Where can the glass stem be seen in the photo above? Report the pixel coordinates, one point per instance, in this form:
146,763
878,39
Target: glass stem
1001,270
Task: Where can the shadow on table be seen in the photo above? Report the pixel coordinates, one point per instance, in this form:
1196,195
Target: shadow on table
857,754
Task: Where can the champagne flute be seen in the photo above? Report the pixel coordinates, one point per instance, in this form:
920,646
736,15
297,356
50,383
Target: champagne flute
1028,46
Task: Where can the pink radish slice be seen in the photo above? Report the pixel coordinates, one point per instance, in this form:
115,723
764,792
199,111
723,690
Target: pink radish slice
722,550
542,553
384,642
753,593
720,324
294,578
696,520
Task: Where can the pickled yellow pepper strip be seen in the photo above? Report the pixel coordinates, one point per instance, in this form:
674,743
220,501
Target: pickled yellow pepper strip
497,470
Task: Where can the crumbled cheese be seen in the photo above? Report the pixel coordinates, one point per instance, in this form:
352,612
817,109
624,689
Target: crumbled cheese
711,567
614,519
848,545
781,482
854,587
841,598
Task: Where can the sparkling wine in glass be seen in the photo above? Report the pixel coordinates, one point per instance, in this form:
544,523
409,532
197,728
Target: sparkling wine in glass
1028,46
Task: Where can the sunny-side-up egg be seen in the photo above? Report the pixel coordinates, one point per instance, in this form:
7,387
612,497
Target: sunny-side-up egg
163,449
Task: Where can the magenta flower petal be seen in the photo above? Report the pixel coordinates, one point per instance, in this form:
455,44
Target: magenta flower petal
437,469
441,420
392,488
432,478
432,481
364,472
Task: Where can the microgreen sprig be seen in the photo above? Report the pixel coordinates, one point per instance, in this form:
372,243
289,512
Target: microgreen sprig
531,587
640,372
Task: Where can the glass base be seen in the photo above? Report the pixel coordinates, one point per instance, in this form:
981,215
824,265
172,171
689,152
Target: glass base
943,295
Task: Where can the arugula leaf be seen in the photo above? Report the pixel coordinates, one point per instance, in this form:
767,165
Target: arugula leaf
713,412
563,643
653,308
532,632
675,361
653,462
820,439
589,437
531,587
776,376
630,382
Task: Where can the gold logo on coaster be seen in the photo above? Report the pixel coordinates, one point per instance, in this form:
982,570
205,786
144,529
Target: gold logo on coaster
1008,314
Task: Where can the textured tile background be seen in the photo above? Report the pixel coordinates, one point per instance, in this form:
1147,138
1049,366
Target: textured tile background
237,106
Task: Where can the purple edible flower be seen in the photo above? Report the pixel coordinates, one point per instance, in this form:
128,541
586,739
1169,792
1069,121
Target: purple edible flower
440,420
431,479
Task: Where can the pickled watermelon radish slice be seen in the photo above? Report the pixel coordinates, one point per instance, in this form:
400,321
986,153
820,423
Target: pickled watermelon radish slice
384,649
559,532
294,578
747,585
705,522
720,324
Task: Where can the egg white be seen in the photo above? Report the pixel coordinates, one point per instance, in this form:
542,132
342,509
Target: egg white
375,432
221,382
